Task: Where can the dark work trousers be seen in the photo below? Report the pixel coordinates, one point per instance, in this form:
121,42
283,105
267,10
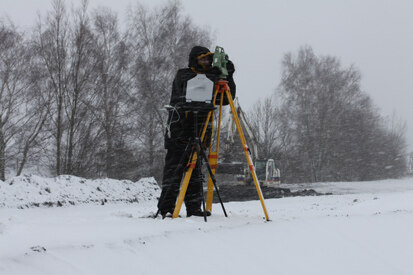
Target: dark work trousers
172,176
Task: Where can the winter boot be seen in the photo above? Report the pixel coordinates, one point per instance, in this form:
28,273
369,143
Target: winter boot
167,213
197,212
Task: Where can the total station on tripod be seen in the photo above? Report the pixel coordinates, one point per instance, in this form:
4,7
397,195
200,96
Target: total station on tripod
220,60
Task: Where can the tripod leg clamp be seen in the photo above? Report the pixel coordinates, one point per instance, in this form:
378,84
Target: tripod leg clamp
213,160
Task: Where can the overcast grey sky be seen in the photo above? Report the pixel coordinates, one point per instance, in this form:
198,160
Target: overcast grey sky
374,35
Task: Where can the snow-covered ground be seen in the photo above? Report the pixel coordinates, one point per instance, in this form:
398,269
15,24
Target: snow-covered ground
366,229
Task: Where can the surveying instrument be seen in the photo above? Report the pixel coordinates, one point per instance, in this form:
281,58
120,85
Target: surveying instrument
221,89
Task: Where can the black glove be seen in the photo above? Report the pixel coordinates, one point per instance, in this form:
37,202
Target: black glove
215,70
230,67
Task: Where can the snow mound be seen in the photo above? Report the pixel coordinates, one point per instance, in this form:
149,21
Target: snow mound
34,191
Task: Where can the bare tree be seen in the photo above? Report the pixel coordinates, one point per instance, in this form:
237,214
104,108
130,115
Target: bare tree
82,63
13,86
265,124
160,42
92,94
112,81
37,107
334,130
52,45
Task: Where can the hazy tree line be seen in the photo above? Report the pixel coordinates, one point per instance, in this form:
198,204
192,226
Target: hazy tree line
82,94
320,126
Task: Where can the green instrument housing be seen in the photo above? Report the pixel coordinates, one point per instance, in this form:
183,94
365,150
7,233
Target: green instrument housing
220,60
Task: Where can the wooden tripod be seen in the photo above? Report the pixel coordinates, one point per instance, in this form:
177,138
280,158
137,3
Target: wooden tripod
222,89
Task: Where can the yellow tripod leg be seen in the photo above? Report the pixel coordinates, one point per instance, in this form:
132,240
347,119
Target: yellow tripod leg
213,158
213,161
184,187
247,155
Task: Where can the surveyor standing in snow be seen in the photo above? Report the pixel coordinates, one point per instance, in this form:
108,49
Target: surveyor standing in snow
180,130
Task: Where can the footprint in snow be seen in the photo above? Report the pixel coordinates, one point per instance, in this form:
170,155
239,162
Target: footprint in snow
38,248
122,214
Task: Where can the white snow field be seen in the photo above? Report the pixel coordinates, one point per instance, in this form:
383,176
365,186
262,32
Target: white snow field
367,228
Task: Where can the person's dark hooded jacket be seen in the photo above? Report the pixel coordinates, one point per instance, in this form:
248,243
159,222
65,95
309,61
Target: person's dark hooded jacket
180,123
